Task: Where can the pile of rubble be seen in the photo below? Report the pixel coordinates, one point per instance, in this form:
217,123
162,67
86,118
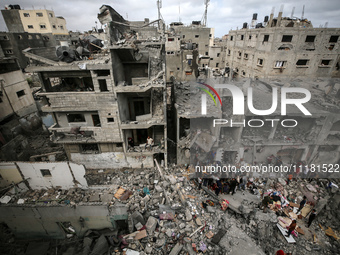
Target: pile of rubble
167,216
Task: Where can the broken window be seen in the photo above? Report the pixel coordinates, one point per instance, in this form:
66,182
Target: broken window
9,52
30,26
183,36
302,62
287,38
96,120
43,26
325,62
280,64
29,37
333,38
171,72
20,37
26,14
266,38
217,64
39,14
119,145
231,38
1,100
206,53
54,26
196,36
249,37
20,93
218,54
171,39
188,72
103,72
110,120
61,27
102,85
75,117
45,172
89,148
51,15
260,61
310,38
245,55
228,52
242,37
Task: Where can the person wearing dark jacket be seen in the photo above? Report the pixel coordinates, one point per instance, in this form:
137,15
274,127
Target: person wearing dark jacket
291,228
311,217
302,203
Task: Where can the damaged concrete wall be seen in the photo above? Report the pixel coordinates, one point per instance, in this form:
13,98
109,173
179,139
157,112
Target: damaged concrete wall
18,93
109,160
9,174
45,175
42,221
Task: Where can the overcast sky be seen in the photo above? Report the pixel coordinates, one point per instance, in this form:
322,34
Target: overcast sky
223,15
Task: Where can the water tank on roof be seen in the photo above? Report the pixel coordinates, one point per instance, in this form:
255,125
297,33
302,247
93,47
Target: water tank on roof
245,25
16,6
266,18
65,54
258,25
255,16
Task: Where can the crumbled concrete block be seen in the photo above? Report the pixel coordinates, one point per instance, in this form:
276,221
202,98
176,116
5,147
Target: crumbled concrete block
138,226
176,250
151,225
138,217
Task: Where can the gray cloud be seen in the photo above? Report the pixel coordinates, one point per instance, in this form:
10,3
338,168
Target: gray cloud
222,14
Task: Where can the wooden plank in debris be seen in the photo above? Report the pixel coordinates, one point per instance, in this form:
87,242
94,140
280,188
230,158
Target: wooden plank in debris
119,193
141,234
305,210
300,231
294,204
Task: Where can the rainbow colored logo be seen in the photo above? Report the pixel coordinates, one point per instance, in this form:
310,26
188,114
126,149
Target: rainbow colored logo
204,98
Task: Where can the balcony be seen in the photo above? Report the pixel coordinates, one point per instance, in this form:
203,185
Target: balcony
73,134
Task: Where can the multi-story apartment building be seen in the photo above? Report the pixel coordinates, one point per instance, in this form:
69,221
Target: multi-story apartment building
284,47
186,48
106,109
34,21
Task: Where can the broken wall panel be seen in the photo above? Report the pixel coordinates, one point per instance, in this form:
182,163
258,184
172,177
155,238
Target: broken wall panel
46,175
9,174
42,221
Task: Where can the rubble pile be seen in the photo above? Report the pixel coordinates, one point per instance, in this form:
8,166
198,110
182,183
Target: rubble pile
166,215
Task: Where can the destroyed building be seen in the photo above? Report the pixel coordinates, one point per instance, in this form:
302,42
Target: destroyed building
315,137
283,47
105,109
186,49
32,29
107,99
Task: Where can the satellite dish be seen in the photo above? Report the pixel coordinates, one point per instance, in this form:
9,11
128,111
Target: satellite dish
65,54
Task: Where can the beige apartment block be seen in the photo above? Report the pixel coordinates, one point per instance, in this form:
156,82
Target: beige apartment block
42,21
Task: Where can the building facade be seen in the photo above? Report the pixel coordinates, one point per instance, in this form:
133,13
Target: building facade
283,48
34,21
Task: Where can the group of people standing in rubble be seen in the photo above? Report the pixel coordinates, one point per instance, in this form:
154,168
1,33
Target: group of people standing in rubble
227,185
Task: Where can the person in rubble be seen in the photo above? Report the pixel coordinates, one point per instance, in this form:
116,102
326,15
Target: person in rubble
233,186
266,201
131,142
302,204
311,217
149,143
291,228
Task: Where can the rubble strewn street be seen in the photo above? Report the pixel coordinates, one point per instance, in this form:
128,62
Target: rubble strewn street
169,213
